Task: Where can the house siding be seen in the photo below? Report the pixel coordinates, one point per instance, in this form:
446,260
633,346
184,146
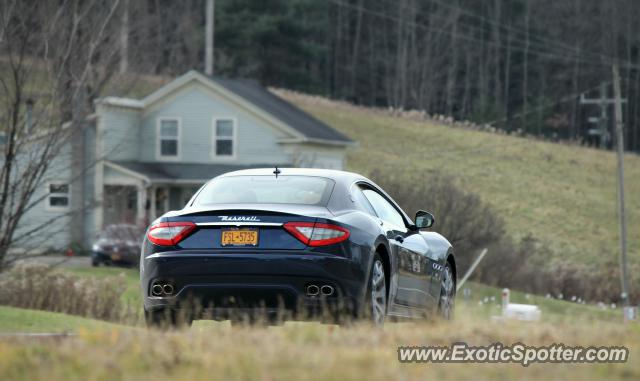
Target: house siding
311,155
196,107
121,134
54,232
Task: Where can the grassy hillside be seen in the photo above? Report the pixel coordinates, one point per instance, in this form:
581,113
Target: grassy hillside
563,195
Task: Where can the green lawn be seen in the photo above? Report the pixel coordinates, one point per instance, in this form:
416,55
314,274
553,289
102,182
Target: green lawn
553,310
14,320
563,195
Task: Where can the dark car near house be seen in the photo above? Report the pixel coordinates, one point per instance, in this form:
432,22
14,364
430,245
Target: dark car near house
294,240
117,244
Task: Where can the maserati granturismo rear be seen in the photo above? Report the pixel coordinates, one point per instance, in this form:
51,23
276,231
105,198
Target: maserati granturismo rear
294,243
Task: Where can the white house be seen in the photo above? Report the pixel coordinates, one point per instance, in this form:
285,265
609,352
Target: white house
147,156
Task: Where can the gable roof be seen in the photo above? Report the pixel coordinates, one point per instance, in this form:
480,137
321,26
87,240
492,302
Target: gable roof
253,95
306,124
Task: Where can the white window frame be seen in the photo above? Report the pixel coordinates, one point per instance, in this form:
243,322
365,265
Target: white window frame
234,139
48,207
159,155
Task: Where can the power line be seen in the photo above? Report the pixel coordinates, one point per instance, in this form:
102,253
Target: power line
535,51
542,40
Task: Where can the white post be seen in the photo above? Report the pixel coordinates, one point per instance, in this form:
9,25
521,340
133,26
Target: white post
505,299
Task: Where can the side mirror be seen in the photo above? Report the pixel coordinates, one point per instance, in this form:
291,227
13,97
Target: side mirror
424,219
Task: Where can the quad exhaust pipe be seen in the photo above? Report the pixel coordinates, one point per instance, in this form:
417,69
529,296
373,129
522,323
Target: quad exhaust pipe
315,290
167,289
326,290
156,290
162,288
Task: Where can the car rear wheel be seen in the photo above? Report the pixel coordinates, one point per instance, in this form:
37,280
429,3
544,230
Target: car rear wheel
377,292
447,293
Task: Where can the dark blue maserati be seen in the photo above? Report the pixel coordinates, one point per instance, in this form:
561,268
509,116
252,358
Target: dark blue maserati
291,243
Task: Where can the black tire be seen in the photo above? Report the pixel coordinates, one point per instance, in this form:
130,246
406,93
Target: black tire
376,296
446,303
167,318
95,262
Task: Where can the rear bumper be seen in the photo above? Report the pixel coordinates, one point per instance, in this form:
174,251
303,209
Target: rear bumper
238,281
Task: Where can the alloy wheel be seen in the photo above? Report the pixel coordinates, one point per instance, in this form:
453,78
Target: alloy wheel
447,294
378,293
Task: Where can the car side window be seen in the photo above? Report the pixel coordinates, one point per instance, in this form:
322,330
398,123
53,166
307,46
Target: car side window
383,208
361,200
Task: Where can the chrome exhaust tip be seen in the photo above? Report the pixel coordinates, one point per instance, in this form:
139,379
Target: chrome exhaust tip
313,290
326,290
156,290
168,289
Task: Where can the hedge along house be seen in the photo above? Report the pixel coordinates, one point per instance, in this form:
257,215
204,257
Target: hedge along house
150,155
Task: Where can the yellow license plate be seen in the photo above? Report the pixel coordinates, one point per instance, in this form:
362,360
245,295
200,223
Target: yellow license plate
116,257
240,237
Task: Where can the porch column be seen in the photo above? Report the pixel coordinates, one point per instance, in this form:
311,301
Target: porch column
152,210
142,201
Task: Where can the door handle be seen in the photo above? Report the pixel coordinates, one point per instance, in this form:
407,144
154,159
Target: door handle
399,238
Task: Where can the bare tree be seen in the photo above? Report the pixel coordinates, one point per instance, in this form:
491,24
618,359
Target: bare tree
56,56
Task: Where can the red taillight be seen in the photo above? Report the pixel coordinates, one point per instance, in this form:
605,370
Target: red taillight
317,234
169,233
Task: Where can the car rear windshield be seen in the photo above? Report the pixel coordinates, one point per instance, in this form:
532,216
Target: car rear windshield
306,190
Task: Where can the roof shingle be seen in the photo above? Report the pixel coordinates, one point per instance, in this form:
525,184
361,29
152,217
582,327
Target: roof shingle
291,115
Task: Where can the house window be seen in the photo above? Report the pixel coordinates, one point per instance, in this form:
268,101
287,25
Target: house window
168,138
59,196
224,137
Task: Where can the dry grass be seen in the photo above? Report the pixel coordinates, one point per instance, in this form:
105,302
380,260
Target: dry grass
561,194
216,351
39,287
307,351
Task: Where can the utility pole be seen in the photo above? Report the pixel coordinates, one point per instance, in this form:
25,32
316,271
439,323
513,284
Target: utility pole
624,281
208,50
602,126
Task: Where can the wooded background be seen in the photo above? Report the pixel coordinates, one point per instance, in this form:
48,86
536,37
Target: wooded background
517,64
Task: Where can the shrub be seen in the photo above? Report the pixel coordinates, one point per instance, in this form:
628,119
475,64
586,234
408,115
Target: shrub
467,222
37,286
